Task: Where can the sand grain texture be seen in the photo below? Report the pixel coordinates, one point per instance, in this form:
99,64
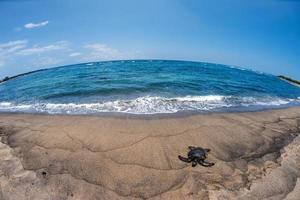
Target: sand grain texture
257,156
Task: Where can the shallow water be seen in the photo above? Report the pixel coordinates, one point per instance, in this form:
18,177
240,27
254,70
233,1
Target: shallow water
145,87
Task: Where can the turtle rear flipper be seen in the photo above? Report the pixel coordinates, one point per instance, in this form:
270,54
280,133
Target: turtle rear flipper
184,159
194,163
205,163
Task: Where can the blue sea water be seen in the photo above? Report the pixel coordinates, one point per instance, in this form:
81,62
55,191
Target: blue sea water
145,87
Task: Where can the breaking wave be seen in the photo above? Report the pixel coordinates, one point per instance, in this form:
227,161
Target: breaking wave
151,105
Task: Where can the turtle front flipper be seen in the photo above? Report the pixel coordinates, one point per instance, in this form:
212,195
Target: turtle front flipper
184,159
191,147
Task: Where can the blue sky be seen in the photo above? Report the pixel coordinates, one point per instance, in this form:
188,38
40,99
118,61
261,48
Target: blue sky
262,35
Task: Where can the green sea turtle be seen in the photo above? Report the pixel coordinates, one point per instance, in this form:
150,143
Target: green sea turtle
197,155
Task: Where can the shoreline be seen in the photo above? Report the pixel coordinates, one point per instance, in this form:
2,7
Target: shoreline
120,115
256,156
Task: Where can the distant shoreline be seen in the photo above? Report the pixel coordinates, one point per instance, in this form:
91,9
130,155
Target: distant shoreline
289,80
7,78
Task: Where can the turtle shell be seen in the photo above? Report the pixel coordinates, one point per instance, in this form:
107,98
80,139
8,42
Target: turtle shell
197,153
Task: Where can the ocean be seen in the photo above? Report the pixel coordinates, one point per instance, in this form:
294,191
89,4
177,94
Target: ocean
145,87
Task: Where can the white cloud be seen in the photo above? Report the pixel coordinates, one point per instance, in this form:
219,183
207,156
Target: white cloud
74,54
99,51
61,45
8,48
37,25
16,48
19,51
101,48
12,45
45,61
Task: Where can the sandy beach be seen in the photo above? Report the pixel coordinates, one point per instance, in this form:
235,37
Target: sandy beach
256,156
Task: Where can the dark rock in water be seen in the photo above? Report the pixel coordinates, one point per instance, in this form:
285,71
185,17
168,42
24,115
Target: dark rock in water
6,78
289,80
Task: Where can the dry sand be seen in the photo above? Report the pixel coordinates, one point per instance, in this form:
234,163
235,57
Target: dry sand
257,156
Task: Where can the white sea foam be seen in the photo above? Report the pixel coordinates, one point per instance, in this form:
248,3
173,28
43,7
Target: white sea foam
201,98
148,105
5,104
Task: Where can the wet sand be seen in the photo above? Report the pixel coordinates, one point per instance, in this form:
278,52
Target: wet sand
256,156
